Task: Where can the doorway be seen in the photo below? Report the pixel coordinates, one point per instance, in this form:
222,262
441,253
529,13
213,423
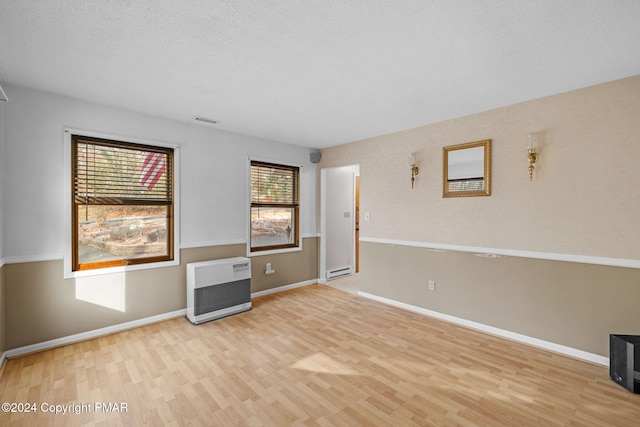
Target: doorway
339,221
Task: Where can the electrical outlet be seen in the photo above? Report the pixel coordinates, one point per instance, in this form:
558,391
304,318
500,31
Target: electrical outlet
432,285
268,269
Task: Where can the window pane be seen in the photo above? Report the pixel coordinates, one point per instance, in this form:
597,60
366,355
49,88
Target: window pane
274,184
110,233
272,226
108,173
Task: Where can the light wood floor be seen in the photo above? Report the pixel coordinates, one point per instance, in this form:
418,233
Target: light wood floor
349,283
314,356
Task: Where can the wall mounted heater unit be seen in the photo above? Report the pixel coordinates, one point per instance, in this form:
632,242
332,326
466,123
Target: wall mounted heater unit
218,288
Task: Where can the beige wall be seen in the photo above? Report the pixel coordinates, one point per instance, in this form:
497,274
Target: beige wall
572,304
584,200
43,306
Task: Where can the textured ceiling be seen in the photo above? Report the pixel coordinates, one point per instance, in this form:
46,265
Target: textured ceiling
316,73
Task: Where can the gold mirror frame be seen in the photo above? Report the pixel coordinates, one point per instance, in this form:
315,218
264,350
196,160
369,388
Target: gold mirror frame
470,186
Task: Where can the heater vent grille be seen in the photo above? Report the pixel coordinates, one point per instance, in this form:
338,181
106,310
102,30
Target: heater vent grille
224,295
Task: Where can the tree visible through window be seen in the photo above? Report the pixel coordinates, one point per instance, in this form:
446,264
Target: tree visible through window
274,206
122,203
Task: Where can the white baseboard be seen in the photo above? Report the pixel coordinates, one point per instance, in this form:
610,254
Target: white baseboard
568,351
93,334
283,288
123,326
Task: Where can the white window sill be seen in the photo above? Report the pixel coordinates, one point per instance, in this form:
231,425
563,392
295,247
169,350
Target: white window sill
273,251
120,269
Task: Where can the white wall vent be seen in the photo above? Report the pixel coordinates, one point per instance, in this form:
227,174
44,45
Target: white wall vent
218,288
205,120
339,272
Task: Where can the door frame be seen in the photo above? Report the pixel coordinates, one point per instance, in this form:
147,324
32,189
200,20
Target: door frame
323,212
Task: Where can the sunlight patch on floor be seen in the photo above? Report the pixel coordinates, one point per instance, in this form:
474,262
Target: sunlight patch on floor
322,363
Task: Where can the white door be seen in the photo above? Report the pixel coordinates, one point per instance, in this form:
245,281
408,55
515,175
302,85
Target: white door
338,216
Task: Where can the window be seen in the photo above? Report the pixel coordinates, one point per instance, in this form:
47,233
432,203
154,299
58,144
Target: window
122,203
274,206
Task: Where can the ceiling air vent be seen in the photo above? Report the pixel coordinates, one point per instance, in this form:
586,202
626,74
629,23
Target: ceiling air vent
204,120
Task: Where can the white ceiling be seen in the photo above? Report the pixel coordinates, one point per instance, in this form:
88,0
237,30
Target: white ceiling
316,73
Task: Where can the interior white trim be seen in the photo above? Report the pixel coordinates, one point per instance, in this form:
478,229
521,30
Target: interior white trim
83,336
584,259
94,333
192,245
283,288
568,351
33,258
310,235
273,251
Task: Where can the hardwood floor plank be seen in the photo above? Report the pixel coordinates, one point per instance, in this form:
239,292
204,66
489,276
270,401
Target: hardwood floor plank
314,356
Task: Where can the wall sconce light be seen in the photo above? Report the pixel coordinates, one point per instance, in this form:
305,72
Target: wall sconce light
532,153
414,168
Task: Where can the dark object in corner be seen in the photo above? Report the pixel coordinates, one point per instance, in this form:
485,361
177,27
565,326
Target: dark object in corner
624,361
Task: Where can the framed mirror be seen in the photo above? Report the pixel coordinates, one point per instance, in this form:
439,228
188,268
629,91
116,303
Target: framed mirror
467,169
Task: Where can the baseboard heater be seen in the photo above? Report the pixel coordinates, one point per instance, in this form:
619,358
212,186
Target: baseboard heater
218,288
339,272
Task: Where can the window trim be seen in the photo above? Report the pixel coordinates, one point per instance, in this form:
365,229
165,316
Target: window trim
271,250
68,202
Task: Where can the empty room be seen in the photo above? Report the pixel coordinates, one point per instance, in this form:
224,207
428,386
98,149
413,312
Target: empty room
337,213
